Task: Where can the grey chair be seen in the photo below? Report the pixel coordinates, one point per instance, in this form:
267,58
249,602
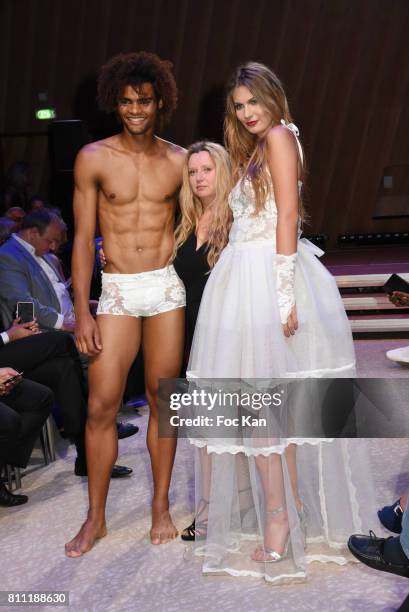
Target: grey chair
47,441
13,473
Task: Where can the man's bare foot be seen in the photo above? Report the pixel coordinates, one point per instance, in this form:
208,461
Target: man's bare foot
85,539
163,529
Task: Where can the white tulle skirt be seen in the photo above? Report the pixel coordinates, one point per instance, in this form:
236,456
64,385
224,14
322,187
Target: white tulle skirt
238,331
242,482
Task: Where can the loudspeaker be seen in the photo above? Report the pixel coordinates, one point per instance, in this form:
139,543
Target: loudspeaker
65,139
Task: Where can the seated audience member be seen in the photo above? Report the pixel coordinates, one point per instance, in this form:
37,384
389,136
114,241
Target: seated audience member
384,554
400,355
6,229
16,215
52,359
26,276
24,408
36,202
30,272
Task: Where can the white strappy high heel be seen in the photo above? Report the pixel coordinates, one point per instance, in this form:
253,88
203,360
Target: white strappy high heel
272,556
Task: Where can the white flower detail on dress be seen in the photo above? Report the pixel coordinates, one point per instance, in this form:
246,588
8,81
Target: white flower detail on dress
247,225
285,274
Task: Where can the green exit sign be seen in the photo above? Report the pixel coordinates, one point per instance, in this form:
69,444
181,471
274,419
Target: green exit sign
45,113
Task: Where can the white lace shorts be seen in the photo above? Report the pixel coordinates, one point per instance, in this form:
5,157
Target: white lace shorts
141,295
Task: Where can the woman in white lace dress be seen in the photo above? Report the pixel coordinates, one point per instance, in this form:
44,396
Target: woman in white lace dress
271,310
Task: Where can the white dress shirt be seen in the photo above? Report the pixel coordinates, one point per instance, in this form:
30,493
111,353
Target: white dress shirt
66,305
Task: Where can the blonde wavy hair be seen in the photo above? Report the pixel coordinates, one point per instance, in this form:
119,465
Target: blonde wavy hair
247,152
192,208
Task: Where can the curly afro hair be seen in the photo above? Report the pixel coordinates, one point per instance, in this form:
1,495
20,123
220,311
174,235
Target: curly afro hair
134,69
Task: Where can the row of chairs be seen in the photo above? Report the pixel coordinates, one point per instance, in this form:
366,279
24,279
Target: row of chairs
13,474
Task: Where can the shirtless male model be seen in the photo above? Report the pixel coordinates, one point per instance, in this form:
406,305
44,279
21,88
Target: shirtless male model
130,182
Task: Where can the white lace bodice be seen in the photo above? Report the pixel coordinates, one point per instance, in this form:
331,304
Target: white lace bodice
246,225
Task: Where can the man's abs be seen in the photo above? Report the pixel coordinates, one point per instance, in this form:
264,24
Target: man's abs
136,207
136,251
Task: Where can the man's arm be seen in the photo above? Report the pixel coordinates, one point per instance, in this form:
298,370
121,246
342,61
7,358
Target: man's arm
83,255
19,330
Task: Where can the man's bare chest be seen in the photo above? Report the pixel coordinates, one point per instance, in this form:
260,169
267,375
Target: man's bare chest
124,183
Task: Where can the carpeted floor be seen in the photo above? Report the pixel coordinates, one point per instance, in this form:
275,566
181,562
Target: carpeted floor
371,360
125,573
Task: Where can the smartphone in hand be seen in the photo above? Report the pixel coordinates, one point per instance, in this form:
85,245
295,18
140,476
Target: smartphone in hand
8,385
25,311
13,379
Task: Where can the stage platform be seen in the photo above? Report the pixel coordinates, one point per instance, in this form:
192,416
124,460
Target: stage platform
360,274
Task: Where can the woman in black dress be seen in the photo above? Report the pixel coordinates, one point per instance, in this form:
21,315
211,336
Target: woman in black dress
200,237
203,230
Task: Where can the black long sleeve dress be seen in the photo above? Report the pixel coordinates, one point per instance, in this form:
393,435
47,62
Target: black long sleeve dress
192,267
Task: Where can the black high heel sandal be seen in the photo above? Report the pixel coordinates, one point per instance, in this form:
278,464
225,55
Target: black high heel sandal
199,532
196,530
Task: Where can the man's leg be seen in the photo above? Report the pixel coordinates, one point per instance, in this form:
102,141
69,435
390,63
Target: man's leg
28,353
33,403
404,536
162,343
120,336
10,427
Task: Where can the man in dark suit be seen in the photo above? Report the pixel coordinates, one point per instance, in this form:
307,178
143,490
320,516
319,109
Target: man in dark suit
51,358
24,407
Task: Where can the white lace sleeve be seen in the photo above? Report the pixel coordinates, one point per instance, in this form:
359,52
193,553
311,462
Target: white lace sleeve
285,273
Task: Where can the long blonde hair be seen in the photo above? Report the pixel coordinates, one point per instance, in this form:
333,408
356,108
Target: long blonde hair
192,208
247,152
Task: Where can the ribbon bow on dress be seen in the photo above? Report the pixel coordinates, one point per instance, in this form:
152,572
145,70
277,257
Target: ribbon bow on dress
291,126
